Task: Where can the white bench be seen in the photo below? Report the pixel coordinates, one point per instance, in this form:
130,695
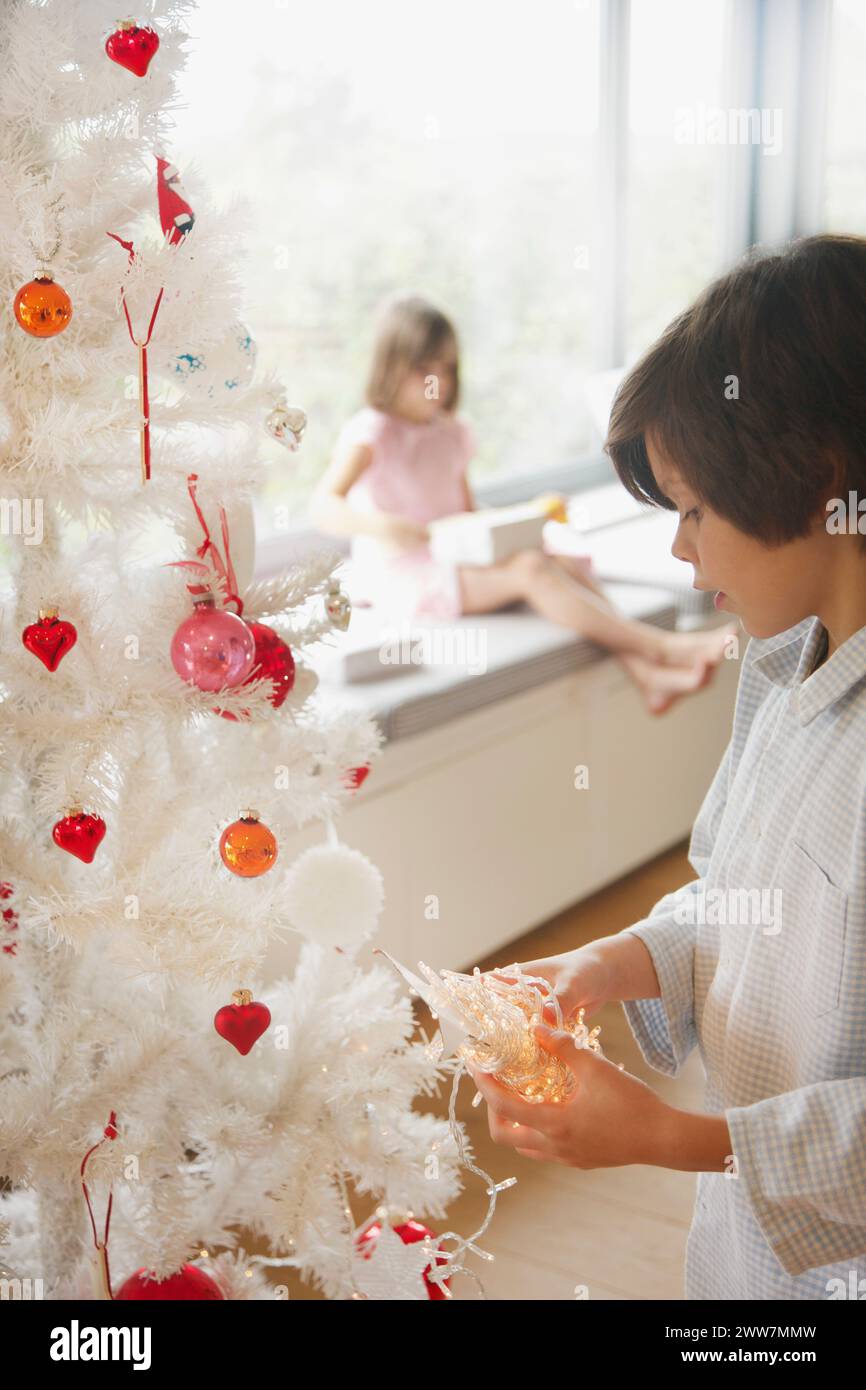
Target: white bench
471,811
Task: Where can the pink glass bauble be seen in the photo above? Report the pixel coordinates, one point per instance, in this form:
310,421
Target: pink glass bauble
212,648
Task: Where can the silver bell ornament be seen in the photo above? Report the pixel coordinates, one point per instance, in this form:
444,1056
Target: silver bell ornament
338,606
286,424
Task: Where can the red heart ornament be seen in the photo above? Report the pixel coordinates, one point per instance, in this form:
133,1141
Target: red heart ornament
49,639
242,1022
132,47
80,834
273,659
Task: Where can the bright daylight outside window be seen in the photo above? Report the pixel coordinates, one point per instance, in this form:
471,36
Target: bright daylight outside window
457,158
845,201
453,156
675,185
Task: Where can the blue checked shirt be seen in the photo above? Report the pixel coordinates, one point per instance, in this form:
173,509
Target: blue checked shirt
762,965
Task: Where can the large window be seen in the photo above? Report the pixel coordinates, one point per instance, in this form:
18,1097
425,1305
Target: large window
447,150
553,176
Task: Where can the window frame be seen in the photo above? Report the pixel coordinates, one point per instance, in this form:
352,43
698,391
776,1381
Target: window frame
768,45
612,181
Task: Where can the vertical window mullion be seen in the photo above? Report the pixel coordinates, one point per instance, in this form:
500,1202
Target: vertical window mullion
794,68
814,86
741,83
612,183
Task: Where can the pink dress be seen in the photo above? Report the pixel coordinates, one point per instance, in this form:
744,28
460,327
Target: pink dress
416,471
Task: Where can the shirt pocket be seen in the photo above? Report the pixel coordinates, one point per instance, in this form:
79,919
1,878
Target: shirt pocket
815,912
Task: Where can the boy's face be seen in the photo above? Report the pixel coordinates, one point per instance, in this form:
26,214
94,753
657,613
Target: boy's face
768,588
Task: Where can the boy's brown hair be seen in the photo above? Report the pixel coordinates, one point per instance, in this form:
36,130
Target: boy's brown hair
757,392
410,332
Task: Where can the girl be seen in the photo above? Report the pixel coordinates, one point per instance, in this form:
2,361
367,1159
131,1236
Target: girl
401,462
761,960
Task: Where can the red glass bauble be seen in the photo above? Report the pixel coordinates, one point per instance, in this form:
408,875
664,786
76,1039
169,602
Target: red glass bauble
242,1022
274,659
409,1232
80,834
49,639
132,46
190,1284
42,308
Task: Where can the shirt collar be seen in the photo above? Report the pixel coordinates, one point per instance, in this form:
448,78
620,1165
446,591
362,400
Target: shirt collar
789,661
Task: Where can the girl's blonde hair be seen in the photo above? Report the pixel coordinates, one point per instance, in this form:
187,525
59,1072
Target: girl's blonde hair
409,332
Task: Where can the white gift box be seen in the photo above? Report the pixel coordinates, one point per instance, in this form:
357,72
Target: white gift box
486,536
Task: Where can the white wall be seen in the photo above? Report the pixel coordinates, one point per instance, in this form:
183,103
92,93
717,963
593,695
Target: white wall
483,812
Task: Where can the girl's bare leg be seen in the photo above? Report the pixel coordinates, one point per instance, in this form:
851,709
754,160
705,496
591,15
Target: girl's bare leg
677,648
550,585
557,588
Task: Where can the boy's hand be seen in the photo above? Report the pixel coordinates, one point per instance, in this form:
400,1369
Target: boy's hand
579,979
611,1119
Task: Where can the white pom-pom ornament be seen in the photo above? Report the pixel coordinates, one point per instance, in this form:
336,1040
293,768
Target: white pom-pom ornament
334,895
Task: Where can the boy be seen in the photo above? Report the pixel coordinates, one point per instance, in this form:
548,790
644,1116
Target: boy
749,417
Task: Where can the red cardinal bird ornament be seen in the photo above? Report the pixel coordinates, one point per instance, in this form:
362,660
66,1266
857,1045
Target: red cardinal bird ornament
175,214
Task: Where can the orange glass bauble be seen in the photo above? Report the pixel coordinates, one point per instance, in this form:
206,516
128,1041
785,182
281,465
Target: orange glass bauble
247,847
42,308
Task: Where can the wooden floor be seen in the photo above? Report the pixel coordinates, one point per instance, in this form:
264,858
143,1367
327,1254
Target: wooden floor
621,1232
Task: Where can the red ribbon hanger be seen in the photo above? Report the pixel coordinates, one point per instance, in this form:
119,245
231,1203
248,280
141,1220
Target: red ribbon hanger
223,568
142,345
110,1132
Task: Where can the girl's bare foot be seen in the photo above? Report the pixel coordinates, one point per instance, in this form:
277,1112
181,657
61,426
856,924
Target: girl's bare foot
689,648
662,686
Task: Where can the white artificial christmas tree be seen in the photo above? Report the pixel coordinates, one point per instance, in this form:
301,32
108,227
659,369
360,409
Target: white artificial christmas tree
112,970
